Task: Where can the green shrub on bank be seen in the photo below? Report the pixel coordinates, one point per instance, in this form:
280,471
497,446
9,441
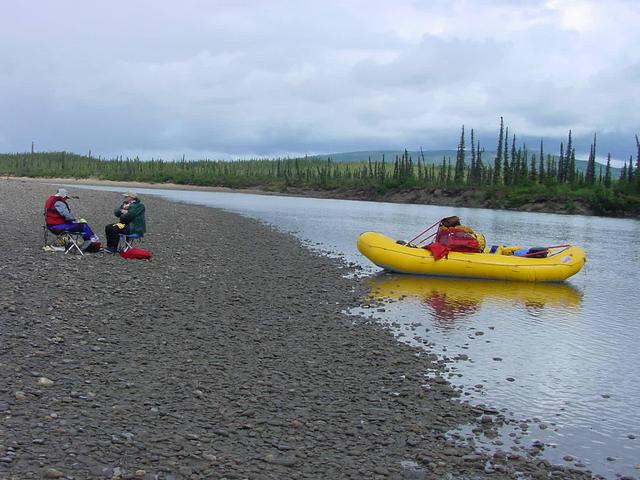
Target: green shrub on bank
373,179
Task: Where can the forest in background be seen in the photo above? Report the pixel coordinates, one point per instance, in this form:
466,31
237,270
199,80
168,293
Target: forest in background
513,176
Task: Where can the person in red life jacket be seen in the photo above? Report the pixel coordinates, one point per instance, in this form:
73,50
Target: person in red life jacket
457,237
454,237
59,218
131,221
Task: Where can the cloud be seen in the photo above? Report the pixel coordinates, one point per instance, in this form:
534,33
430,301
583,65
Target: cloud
254,78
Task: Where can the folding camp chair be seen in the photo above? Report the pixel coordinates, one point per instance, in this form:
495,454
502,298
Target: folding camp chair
128,240
62,239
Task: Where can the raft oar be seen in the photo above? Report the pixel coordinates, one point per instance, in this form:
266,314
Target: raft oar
425,239
423,232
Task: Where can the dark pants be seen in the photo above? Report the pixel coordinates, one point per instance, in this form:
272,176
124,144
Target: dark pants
113,235
83,228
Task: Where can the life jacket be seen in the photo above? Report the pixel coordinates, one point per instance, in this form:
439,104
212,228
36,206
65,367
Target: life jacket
51,214
458,239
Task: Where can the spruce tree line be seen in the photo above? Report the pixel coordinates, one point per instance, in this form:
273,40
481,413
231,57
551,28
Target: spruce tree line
513,167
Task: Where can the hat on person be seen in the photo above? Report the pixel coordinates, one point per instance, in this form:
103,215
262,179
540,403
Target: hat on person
62,192
130,194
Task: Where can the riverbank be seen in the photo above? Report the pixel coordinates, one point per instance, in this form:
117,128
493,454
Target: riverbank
433,196
229,355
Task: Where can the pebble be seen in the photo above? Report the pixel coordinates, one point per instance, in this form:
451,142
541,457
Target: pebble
45,382
284,461
53,473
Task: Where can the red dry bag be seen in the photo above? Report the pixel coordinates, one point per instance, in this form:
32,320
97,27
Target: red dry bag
139,253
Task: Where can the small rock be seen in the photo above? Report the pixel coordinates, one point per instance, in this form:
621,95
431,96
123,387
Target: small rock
413,441
631,436
511,379
20,396
45,382
568,458
284,461
53,473
141,473
497,359
471,457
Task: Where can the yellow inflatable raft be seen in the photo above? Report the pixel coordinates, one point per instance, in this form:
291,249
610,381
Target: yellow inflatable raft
383,251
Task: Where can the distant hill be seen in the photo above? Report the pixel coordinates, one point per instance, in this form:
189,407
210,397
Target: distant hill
435,157
430,156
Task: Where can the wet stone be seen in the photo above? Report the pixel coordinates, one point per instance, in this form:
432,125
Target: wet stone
53,473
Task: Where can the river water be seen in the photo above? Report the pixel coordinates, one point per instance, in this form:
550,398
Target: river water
564,356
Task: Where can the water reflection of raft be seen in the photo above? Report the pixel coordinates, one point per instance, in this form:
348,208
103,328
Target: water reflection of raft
386,253
465,293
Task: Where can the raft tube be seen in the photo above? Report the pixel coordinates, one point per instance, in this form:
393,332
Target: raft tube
384,252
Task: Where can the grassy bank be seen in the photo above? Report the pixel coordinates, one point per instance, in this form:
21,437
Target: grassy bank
401,179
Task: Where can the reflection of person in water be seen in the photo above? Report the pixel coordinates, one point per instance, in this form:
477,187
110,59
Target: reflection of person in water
448,310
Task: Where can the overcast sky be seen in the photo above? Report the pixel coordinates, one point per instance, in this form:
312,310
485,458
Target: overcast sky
222,78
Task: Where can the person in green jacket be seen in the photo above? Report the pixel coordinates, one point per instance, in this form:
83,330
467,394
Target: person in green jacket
131,215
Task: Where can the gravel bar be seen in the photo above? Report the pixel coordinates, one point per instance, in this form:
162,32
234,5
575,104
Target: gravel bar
228,355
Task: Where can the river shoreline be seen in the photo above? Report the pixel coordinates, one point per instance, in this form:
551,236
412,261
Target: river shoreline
229,355
433,196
